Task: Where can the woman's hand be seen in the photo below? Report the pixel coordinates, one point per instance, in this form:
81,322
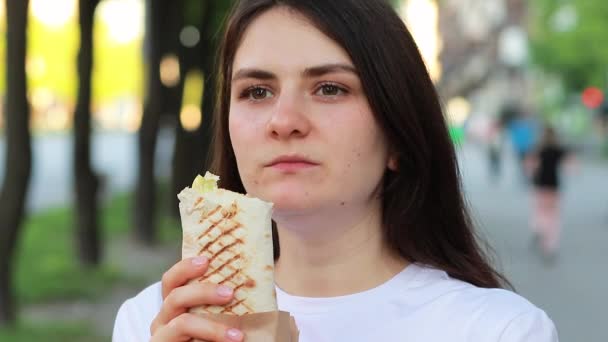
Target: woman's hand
173,323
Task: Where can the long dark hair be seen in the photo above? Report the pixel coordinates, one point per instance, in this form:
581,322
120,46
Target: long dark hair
425,218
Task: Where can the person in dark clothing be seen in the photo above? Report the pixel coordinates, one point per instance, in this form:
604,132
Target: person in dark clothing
545,163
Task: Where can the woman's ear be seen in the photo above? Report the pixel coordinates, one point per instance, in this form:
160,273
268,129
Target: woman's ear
392,164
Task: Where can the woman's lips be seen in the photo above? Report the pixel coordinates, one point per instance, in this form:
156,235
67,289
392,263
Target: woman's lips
291,163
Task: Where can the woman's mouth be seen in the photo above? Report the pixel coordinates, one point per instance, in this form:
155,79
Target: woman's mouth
291,164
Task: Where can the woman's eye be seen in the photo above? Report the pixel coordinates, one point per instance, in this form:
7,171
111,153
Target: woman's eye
330,90
257,93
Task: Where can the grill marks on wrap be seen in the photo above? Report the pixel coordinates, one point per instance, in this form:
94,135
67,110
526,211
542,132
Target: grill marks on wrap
236,279
248,283
206,216
221,267
224,233
228,308
225,248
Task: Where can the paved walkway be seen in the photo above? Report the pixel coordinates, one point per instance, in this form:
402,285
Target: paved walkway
573,291
113,154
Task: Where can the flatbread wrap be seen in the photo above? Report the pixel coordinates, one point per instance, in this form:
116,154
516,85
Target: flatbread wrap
234,231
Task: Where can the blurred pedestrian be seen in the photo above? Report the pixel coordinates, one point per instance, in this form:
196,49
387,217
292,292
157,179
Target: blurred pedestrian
495,146
544,166
522,132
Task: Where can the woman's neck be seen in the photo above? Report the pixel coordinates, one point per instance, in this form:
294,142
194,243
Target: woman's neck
347,254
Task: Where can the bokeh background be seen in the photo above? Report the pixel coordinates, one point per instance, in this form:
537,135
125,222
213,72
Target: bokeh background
103,122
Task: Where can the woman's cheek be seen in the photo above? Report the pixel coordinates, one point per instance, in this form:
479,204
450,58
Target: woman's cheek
237,125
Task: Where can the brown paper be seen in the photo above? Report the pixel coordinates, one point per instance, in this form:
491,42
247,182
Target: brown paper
275,326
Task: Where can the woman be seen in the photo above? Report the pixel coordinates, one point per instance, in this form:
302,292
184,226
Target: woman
545,163
326,110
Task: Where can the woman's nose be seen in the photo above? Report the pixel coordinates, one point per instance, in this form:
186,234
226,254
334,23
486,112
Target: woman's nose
288,119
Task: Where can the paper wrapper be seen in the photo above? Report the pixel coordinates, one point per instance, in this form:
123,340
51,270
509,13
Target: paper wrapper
275,326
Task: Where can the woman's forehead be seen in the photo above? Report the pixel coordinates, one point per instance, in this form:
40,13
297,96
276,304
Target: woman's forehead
282,39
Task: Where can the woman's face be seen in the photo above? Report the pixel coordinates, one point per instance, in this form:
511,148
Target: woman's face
301,127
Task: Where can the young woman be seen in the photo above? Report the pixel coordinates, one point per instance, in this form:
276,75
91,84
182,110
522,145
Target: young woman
326,110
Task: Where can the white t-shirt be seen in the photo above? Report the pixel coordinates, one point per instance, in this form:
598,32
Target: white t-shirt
418,304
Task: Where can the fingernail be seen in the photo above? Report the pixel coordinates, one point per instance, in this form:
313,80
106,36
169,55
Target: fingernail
224,291
199,261
234,335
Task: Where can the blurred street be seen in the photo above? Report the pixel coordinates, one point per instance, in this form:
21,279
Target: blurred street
573,290
113,155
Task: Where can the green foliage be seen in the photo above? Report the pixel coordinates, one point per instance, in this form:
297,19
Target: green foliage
75,332
46,64
396,3
51,61
579,53
118,69
47,267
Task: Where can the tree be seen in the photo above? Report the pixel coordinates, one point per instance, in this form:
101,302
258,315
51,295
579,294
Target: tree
569,40
145,192
182,167
160,15
213,21
87,183
18,156
191,148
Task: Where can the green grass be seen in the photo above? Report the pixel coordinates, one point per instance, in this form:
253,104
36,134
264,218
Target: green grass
47,264
74,332
47,267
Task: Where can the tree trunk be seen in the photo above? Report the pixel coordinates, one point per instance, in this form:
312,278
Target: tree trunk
18,156
209,41
192,148
145,192
182,171
87,182
181,166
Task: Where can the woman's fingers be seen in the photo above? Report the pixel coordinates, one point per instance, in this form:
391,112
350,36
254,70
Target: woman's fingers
182,272
173,322
185,297
187,326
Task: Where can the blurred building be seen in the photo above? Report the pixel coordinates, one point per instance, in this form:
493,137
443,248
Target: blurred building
484,53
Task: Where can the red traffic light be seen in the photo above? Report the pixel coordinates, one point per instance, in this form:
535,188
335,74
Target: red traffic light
592,97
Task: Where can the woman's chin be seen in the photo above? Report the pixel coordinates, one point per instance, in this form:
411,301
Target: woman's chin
289,196
291,203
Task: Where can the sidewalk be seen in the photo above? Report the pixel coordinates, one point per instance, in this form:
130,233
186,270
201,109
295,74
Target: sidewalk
573,291
114,154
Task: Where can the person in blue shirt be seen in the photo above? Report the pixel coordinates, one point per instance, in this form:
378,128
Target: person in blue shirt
522,130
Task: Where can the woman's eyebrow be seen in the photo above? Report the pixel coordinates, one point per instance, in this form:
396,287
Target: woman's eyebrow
315,71
253,73
324,69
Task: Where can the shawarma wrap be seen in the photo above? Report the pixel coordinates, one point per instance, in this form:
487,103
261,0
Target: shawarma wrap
235,232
